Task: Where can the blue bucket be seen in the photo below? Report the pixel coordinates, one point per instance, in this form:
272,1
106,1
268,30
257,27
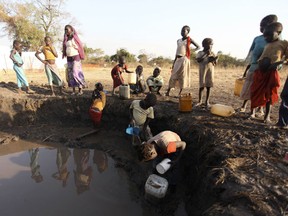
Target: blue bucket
133,131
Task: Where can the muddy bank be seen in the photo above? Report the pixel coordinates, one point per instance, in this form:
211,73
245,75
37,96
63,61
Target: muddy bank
231,166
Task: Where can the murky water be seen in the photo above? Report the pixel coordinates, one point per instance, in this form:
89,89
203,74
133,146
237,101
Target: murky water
61,181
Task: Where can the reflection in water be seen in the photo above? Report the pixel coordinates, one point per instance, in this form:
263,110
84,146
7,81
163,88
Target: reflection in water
34,165
83,171
106,191
101,160
62,157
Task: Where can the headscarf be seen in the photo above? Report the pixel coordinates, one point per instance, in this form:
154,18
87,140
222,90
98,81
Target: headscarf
77,41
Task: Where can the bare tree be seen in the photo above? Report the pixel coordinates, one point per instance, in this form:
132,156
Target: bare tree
31,21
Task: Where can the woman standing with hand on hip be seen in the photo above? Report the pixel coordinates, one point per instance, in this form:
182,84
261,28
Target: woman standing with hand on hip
73,50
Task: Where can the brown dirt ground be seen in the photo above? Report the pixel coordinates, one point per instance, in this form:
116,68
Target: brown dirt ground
231,166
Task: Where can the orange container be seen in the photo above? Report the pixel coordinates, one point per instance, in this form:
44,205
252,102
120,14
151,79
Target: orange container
185,103
238,86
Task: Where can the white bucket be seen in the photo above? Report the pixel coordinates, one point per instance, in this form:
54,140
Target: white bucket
156,186
132,78
163,166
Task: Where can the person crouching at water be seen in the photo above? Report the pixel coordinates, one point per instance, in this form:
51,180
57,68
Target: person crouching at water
141,113
166,144
156,81
51,70
98,104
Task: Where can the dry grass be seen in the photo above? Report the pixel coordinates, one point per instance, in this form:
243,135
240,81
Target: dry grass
224,78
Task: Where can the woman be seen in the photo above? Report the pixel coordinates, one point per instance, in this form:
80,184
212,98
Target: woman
73,50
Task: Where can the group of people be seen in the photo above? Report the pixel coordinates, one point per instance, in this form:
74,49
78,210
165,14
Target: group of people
154,82
72,50
266,56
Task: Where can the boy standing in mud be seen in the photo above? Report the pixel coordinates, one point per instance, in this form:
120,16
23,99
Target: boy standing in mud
266,80
141,113
207,60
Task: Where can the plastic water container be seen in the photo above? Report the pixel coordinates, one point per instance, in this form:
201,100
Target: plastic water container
132,130
222,110
124,91
238,86
185,103
163,166
132,78
156,186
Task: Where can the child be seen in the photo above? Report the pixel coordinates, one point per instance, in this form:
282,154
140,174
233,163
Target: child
140,85
207,60
255,52
116,73
166,144
181,65
50,55
141,112
15,55
266,80
155,82
98,104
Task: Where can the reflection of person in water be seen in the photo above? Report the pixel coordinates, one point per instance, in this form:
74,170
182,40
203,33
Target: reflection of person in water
35,167
101,160
63,155
83,172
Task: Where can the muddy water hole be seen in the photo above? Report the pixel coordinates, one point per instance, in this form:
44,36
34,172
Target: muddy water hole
231,166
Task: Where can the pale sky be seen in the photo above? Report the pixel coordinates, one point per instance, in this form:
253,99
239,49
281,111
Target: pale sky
155,25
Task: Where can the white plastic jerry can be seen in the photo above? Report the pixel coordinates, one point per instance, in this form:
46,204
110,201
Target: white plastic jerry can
222,110
124,91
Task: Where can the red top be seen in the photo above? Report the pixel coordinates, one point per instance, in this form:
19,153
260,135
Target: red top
117,78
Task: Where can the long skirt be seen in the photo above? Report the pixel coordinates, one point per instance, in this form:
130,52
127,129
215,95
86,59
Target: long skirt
180,73
21,77
283,109
53,75
75,76
264,88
